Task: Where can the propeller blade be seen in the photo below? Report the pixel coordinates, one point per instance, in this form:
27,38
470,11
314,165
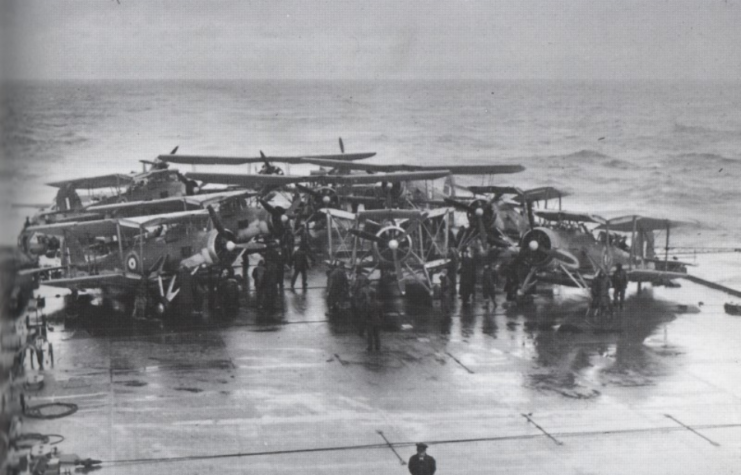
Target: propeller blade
159,283
170,294
268,207
157,266
264,159
399,275
215,219
458,204
530,216
482,230
342,146
308,190
366,235
174,150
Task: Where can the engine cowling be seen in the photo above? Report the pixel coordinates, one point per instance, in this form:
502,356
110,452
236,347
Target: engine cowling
221,246
394,238
543,247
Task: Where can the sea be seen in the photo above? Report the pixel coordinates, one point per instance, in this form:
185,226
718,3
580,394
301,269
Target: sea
667,150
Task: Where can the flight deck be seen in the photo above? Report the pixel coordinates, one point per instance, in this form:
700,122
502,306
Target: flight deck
502,390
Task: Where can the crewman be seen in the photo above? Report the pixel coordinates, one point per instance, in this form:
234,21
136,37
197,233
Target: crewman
258,275
421,463
512,283
373,321
619,284
600,294
489,280
446,291
270,285
288,243
452,267
338,288
468,276
300,266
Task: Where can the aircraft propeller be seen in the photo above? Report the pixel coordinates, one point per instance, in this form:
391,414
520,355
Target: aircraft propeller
389,243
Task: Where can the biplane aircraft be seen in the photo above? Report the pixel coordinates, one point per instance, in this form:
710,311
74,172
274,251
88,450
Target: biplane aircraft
411,245
69,206
564,250
410,193
118,253
235,211
499,221
142,253
322,188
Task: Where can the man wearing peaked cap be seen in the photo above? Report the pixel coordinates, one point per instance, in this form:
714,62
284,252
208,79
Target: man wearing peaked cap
421,463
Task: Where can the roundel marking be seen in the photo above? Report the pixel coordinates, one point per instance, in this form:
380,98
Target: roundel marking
132,262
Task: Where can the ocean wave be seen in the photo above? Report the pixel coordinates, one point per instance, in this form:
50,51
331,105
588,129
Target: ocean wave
702,130
703,159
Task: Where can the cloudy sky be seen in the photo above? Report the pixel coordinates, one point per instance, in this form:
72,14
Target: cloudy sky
379,39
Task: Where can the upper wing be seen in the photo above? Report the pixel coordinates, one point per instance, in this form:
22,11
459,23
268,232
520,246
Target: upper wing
138,208
390,214
454,169
540,194
642,223
248,181
102,181
170,218
555,215
218,160
119,279
167,205
251,181
375,178
102,227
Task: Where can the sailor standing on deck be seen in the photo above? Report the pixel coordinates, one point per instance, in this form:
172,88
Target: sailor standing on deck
619,284
489,280
300,265
468,276
421,463
446,291
373,320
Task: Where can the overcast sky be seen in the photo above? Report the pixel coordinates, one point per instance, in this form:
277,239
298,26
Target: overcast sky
379,39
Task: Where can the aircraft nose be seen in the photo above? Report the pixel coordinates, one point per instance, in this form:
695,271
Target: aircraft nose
479,212
326,200
533,245
230,246
393,244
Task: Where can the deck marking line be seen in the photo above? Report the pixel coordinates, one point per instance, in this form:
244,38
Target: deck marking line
461,364
691,429
401,460
530,420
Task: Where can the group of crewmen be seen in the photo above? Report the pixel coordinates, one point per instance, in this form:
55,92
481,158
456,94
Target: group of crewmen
602,306
465,266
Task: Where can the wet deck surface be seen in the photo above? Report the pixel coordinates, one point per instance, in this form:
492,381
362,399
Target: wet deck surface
296,392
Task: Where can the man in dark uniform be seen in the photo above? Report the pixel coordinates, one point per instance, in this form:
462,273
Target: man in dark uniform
258,275
468,276
446,290
452,267
619,284
338,288
300,266
373,321
421,463
489,280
